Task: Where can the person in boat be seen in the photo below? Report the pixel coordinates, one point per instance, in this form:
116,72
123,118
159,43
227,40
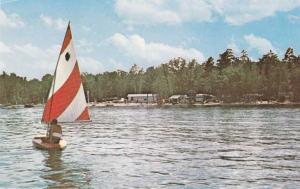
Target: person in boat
55,133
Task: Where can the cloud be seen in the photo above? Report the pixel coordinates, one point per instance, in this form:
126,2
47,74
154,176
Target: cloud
11,21
34,52
149,53
195,10
30,60
90,65
4,48
137,12
232,45
35,61
2,67
262,45
59,23
116,65
85,46
85,28
234,12
294,18
162,11
238,12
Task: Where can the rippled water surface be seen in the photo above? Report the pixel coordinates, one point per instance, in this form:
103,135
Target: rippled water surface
156,148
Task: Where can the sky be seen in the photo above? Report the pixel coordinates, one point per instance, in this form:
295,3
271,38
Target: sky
115,34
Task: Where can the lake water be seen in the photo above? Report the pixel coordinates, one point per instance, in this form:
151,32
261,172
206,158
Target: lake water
211,147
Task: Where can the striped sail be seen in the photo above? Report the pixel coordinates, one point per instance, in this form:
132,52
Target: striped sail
66,101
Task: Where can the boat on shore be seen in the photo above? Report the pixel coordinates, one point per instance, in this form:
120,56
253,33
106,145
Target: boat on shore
28,105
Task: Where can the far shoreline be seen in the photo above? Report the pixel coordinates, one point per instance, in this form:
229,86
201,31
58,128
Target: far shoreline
167,105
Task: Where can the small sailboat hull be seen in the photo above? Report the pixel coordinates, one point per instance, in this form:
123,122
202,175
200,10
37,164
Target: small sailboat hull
39,143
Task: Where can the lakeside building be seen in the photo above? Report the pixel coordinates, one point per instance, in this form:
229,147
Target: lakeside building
202,98
178,99
142,98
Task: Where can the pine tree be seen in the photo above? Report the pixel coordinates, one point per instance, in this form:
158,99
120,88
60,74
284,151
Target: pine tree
227,58
266,62
289,58
208,64
244,57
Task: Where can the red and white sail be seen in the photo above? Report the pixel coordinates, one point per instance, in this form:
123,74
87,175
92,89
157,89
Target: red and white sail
66,101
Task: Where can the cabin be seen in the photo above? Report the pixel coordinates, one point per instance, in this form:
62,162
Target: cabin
178,99
142,98
252,97
202,98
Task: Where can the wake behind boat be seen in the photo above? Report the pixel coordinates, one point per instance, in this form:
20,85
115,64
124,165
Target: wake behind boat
66,101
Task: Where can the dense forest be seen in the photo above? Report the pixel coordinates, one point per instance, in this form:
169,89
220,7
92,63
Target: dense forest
229,78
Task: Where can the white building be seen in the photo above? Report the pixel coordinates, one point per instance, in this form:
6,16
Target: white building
202,98
177,99
142,98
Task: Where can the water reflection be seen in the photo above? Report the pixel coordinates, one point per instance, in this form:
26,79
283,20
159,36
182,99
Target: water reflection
60,175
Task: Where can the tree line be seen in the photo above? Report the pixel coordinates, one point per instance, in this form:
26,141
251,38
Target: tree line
229,78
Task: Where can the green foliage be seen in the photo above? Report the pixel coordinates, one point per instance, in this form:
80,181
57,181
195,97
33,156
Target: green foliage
18,90
230,80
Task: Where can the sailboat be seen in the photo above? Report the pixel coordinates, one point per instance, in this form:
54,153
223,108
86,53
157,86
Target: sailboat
66,101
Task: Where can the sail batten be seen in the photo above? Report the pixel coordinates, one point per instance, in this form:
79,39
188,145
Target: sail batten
66,101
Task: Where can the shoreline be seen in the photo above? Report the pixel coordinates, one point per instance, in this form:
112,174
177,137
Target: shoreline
169,105
166,105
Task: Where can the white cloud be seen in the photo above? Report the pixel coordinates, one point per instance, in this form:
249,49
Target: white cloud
294,18
85,46
232,45
235,12
116,65
59,23
90,65
12,20
4,48
2,67
162,11
137,12
85,28
238,12
195,10
35,61
32,51
30,60
151,53
262,45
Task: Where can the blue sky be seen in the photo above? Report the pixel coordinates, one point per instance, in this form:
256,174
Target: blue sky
115,34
